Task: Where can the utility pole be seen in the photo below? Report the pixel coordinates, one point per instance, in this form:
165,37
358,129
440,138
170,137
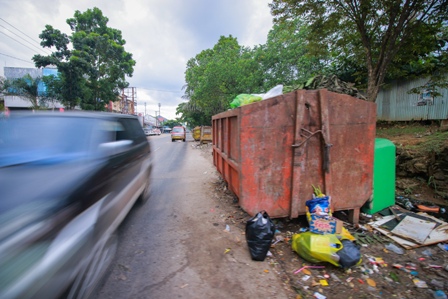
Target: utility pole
159,109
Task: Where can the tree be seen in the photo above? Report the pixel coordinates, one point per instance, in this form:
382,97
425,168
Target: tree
93,69
28,88
284,58
381,36
215,76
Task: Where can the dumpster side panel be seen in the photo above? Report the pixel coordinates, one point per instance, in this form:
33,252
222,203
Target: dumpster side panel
226,157
334,149
266,135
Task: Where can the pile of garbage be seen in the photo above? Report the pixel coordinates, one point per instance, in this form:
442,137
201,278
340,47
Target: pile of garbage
325,241
331,83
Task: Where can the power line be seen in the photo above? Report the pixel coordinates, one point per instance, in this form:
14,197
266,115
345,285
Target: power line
40,49
161,90
17,41
21,31
16,58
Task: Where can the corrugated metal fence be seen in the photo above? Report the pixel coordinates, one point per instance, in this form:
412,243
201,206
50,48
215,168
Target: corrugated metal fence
394,103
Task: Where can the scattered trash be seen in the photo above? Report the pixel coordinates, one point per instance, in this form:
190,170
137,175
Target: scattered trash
323,282
443,246
420,283
371,282
427,252
278,238
394,276
432,209
319,296
439,295
306,271
227,228
412,230
259,234
305,267
394,248
437,283
335,277
306,277
227,250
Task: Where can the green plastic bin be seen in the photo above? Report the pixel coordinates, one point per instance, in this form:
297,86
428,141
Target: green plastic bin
383,177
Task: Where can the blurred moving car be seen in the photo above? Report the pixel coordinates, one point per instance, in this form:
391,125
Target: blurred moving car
150,131
178,133
67,180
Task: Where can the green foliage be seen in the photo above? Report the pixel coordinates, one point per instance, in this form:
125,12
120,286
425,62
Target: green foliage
370,41
173,122
285,59
93,68
215,76
26,87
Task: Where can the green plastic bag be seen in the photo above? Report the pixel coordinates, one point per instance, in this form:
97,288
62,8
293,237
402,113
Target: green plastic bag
244,99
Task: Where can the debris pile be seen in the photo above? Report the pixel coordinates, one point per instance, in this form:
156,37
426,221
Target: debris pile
332,83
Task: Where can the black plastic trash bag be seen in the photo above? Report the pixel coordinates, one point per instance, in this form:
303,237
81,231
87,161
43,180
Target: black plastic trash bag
349,255
260,231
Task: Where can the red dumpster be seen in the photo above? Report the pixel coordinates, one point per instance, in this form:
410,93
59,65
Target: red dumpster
271,152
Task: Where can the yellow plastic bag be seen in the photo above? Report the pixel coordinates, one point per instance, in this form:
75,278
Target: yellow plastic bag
317,248
329,248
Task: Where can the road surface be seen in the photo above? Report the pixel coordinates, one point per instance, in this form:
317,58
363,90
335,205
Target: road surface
176,244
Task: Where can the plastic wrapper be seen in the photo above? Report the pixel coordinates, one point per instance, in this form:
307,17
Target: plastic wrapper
260,231
319,205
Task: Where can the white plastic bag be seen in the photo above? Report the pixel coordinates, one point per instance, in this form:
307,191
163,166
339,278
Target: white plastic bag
276,91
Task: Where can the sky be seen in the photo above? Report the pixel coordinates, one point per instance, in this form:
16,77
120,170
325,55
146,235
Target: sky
162,36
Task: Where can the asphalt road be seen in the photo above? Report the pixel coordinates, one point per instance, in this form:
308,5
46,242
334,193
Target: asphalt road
176,246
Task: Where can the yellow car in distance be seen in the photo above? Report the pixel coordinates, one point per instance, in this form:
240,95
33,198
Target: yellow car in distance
178,133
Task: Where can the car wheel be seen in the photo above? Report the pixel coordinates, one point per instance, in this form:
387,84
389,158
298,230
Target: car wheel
92,277
143,198
172,140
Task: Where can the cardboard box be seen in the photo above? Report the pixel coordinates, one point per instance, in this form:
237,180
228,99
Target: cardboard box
325,225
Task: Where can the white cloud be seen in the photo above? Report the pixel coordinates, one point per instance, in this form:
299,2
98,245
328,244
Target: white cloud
161,34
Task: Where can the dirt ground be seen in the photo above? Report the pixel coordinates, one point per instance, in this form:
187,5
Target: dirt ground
424,270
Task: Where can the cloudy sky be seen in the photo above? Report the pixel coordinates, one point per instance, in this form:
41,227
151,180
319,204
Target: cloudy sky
162,35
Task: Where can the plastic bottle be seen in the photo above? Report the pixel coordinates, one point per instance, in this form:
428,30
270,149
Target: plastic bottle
443,246
439,295
394,248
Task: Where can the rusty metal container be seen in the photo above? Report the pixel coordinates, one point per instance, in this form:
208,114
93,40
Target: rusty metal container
271,152
197,133
206,134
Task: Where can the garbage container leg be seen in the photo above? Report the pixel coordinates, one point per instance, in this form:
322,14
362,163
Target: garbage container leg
353,216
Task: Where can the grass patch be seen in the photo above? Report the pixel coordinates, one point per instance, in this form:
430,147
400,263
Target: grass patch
432,143
415,136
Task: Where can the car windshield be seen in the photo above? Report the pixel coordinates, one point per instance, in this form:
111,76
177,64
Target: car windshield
26,139
178,130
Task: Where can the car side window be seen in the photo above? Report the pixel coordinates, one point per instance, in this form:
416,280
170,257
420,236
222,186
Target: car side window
111,131
133,131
